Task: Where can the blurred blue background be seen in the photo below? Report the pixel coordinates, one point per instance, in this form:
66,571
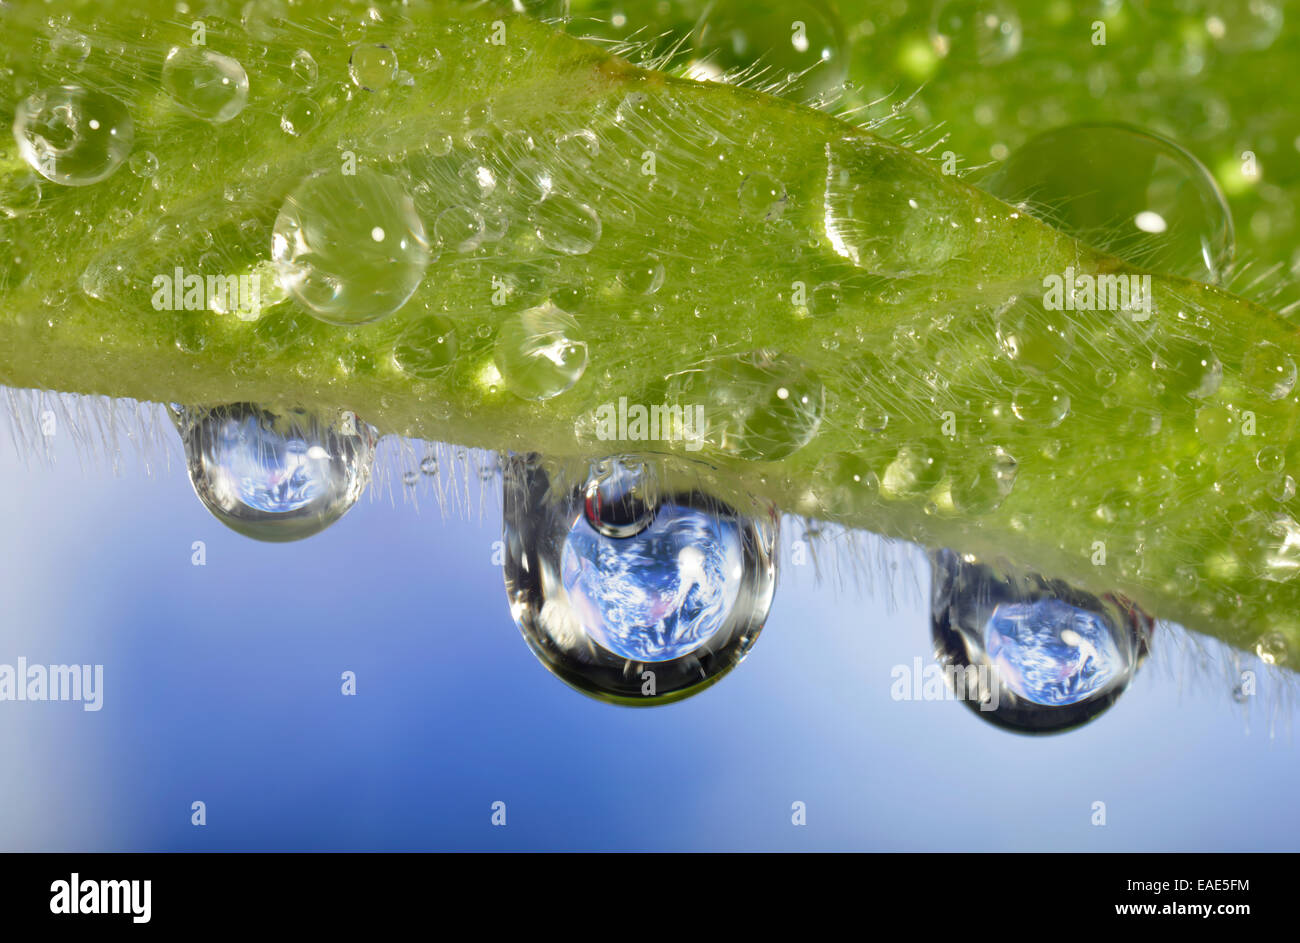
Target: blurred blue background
222,684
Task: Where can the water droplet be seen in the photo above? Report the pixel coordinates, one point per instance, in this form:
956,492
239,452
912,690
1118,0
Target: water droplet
1270,459
205,84
429,465
1106,185
802,41
300,116
304,69
1041,403
844,480
760,406
410,478
1241,25
327,257
21,197
914,471
621,496
1188,368
459,229
1031,654
642,619
373,66
427,348
1268,370
541,352
644,277
887,212
1272,648
143,164
825,299
72,136
566,225
983,32
69,47
1216,425
982,487
1032,336
275,475
762,197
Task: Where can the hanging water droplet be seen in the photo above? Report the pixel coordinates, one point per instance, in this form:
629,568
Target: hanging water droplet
620,496
1272,648
410,478
426,348
429,465
803,41
887,212
566,225
372,66
326,253
73,136
760,406
1268,370
982,32
205,84
541,352
1133,194
275,475
1032,654
640,619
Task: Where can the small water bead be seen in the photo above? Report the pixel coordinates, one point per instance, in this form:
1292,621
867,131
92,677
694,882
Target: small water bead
1133,194
1268,371
825,299
914,471
410,478
144,164
540,353
300,116
1270,459
70,48
985,484
1188,368
803,41
459,229
621,496
887,213
1272,648
429,465
761,406
1041,403
1032,336
204,83
372,66
326,254
426,348
275,475
72,136
1031,654
844,481
305,71
983,32
578,149
566,225
1216,425
21,197
644,278
644,618
762,197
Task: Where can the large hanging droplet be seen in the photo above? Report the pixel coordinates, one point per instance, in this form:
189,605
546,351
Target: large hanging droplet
1127,192
350,247
205,84
1031,654
650,614
73,136
275,474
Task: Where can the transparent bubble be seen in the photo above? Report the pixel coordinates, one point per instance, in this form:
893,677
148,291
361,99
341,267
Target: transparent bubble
275,474
204,83
541,353
983,32
887,213
73,136
350,247
761,406
1127,192
372,66
643,619
1030,654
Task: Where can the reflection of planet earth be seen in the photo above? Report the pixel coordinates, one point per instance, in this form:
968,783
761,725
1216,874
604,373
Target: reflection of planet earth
1052,653
660,594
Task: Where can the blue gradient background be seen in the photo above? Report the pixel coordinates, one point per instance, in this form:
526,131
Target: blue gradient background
222,684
